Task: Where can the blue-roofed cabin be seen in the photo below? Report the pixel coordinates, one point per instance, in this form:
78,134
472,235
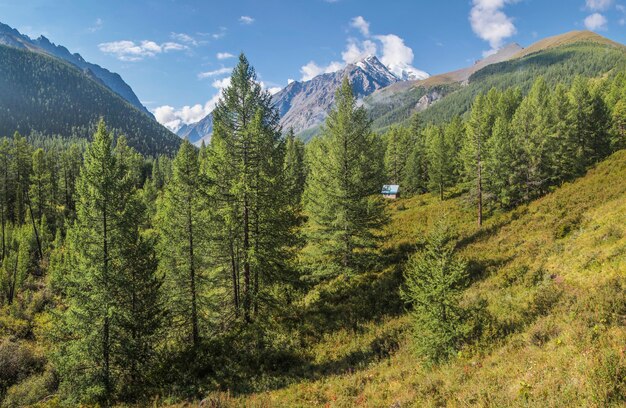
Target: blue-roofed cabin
391,191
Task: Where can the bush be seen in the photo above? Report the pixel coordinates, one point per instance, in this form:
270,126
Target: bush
16,363
32,390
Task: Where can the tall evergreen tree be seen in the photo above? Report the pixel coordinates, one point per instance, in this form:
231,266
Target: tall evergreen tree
245,165
400,142
440,160
416,172
181,222
474,151
345,171
111,290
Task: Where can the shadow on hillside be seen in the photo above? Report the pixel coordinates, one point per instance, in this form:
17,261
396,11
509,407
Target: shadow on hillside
484,233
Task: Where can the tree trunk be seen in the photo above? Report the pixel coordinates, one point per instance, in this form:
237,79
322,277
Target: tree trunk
480,187
106,328
192,276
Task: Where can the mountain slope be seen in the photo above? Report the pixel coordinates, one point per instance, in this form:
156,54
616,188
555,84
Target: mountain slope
304,105
559,58
44,94
13,38
565,39
562,321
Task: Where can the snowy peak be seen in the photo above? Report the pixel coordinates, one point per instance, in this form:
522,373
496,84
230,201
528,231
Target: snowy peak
372,66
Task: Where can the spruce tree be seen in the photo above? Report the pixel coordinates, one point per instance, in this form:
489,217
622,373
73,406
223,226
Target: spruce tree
181,222
109,323
618,141
440,160
474,150
342,187
399,145
416,172
245,166
434,281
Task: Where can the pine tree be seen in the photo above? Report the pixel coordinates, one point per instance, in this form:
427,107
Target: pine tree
532,126
434,281
589,118
440,160
111,288
41,190
455,137
399,144
499,164
22,165
245,166
474,151
618,141
345,171
566,159
182,246
416,172
295,169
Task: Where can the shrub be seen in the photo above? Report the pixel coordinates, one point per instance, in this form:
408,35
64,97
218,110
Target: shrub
32,390
16,363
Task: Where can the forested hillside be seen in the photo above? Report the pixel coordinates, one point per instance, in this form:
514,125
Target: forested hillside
257,271
41,94
558,59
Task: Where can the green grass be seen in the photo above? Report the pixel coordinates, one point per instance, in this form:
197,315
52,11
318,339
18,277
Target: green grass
553,275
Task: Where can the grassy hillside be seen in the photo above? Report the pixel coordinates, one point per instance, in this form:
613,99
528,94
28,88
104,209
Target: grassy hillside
41,94
552,276
558,59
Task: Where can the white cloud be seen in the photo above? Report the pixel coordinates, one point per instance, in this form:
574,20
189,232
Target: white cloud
599,5
221,83
126,50
246,20
490,23
224,55
356,51
184,38
395,54
398,57
173,118
271,89
219,34
216,72
596,22
311,70
97,26
360,24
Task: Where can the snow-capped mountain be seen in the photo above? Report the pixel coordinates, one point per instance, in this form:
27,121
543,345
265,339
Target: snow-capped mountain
305,105
10,37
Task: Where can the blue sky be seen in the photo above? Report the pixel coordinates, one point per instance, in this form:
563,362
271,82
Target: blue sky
175,54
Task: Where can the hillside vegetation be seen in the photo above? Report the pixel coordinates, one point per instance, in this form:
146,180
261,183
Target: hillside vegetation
259,271
553,273
44,95
557,59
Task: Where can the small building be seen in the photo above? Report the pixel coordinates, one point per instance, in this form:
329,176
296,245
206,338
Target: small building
391,191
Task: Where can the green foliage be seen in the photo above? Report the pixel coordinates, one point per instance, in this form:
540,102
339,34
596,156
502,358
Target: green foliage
182,222
346,169
105,337
43,94
434,281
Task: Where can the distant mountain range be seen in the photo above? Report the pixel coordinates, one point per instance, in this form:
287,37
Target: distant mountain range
305,105
13,38
44,89
389,99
